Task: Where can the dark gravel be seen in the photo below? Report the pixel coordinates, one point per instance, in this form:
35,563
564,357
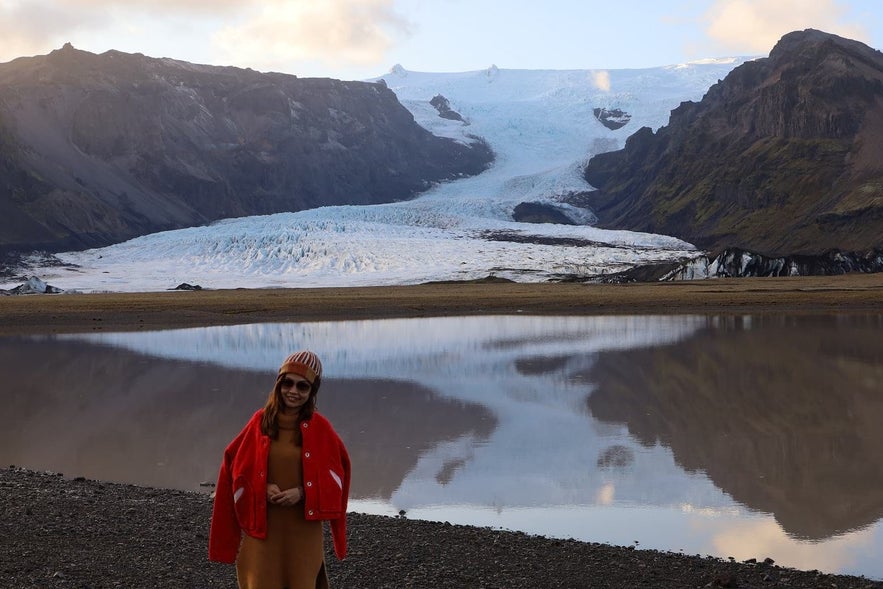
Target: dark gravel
56,532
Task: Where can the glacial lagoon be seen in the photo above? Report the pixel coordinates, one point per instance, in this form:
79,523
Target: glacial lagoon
737,436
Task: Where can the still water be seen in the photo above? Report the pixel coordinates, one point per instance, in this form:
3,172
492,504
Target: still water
749,437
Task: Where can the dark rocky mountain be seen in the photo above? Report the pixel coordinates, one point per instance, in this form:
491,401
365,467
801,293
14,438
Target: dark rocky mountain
96,149
782,157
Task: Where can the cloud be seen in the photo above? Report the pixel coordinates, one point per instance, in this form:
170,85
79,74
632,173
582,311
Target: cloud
753,539
179,6
606,494
601,79
30,27
264,34
754,26
332,32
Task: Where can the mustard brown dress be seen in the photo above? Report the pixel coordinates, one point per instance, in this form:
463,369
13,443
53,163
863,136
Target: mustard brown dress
292,556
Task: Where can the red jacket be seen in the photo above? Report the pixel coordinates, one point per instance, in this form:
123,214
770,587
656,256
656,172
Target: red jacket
241,493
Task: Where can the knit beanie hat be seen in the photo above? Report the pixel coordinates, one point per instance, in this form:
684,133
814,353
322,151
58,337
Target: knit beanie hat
304,363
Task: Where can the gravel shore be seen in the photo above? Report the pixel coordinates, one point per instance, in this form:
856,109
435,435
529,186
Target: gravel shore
58,532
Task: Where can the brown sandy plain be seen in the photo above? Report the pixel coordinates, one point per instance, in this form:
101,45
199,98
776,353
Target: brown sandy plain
854,293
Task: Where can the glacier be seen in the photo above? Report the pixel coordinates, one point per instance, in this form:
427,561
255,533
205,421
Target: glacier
541,126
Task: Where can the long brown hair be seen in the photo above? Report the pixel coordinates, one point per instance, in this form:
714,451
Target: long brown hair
274,404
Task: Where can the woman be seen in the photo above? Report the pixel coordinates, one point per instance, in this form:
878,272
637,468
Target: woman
284,473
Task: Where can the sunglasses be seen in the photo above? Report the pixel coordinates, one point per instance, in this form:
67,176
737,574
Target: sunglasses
302,386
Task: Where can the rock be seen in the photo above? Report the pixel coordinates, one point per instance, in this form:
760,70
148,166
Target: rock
33,286
725,580
613,119
739,263
186,286
443,106
535,212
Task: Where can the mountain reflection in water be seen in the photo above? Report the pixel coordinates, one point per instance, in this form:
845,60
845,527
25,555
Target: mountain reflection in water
745,437
782,414
110,414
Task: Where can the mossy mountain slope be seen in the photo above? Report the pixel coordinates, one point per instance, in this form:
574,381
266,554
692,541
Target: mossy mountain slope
96,149
784,156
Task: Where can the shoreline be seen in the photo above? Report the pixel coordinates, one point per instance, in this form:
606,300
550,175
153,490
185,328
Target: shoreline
67,313
60,532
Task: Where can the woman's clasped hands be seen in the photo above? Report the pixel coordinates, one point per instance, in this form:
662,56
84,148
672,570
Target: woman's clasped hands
288,497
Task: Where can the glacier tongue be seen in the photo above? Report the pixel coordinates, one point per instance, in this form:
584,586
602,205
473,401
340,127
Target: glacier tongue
542,128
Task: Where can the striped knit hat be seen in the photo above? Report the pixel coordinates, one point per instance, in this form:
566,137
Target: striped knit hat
304,363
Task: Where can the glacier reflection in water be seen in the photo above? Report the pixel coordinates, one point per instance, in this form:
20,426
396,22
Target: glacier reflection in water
561,426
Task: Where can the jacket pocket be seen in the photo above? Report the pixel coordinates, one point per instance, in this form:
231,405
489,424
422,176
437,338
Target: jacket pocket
244,503
331,490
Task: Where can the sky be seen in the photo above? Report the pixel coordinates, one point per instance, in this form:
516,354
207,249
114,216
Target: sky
360,39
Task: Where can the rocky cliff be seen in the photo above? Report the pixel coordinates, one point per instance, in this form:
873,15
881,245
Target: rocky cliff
782,157
96,149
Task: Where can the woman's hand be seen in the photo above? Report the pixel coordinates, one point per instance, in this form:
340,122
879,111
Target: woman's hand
288,497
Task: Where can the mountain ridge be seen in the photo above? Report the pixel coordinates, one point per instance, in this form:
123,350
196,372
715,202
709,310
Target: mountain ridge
97,149
781,157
